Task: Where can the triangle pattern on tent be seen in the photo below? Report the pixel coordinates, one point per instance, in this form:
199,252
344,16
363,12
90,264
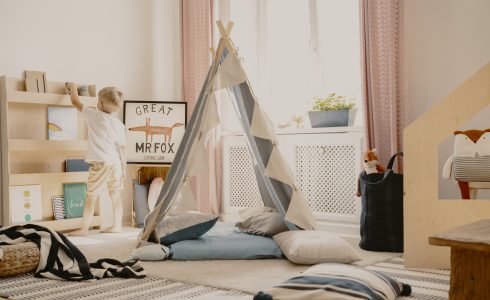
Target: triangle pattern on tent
277,184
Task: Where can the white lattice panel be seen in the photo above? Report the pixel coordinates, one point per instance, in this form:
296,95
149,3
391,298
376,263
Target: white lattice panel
243,188
327,176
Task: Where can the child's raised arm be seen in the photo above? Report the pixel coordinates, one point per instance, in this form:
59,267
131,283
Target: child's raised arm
72,88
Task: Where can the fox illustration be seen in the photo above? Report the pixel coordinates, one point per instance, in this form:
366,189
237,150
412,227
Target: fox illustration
150,131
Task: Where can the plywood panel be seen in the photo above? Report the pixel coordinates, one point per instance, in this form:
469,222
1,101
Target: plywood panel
68,224
27,121
425,214
40,162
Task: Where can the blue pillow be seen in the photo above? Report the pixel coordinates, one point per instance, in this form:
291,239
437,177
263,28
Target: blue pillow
140,203
184,226
223,242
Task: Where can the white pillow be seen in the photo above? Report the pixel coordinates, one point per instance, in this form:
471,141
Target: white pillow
307,247
151,252
155,190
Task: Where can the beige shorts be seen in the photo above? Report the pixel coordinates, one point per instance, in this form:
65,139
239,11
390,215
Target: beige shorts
102,175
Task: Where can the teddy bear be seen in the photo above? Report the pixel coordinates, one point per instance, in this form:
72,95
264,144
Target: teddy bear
370,160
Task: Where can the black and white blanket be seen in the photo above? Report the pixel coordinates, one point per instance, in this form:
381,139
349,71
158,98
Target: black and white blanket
60,259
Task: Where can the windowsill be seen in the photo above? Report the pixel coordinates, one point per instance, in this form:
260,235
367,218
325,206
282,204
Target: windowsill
302,131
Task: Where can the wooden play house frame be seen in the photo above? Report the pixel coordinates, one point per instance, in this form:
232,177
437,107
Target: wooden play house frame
424,213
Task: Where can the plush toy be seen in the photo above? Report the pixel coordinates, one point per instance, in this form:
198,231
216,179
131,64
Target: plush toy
370,158
371,165
470,146
469,143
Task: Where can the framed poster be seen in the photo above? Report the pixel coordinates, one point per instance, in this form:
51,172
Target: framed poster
25,203
154,130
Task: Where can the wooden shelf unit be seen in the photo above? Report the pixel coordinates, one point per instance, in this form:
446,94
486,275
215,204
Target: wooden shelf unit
28,157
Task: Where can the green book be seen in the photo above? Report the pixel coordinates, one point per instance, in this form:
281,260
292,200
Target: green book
75,194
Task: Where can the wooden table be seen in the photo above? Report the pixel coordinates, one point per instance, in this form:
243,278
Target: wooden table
470,259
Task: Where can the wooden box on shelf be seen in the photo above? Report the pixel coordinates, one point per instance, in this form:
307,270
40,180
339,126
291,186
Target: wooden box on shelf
28,156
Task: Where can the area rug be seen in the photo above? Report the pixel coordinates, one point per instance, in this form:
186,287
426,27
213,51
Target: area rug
28,287
427,284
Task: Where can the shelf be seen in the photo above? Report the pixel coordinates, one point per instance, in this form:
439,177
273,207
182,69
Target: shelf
67,224
287,131
46,178
46,98
47,145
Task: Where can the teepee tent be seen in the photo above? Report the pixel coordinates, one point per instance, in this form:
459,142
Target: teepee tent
277,184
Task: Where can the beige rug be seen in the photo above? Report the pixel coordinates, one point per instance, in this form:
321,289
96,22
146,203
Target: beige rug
249,276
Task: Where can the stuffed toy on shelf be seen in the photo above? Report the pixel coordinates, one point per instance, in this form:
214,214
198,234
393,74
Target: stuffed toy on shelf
470,161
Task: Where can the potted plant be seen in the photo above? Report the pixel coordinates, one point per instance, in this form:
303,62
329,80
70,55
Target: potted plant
330,111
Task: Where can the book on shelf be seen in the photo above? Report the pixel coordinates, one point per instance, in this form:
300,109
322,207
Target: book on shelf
25,203
74,199
76,165
36,82
62,123
58,207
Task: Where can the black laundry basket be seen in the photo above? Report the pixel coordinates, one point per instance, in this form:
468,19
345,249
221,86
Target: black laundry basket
382,210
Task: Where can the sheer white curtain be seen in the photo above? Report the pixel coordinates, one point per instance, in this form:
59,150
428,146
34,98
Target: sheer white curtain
294,51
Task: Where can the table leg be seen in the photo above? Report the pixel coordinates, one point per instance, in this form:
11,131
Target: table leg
470,274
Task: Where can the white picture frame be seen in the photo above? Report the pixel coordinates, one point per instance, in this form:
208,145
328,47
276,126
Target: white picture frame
154,130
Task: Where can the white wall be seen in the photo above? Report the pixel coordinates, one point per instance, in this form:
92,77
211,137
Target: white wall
446,42
134,45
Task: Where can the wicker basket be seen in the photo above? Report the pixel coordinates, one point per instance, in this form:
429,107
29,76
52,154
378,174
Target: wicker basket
19,259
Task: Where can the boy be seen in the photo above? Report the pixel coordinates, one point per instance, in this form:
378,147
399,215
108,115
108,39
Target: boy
106,154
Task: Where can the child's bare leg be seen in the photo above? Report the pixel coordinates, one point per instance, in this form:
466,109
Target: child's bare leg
117,212
88,214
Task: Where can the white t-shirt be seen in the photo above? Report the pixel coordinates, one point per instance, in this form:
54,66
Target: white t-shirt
105,134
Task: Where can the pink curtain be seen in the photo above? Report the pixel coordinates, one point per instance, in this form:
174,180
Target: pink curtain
383,83
197,37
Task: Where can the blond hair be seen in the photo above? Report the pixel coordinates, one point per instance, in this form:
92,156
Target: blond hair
111,97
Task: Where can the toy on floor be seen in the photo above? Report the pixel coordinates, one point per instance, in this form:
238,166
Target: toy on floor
470,159
371,165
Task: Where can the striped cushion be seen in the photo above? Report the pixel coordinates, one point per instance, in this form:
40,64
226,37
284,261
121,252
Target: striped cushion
338,281
472,169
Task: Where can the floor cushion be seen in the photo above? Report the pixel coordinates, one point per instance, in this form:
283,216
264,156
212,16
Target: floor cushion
337,281
225,241
307,247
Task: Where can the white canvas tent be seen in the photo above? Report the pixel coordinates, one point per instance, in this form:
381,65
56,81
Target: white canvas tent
276,182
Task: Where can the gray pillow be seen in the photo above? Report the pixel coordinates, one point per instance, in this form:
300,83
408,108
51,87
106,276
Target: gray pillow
261,221
140,203
184,226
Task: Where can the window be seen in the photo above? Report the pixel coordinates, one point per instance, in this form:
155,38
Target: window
296,50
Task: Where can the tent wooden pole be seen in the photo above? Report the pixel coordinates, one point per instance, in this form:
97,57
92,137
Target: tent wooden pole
222,29
225,32
229,26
